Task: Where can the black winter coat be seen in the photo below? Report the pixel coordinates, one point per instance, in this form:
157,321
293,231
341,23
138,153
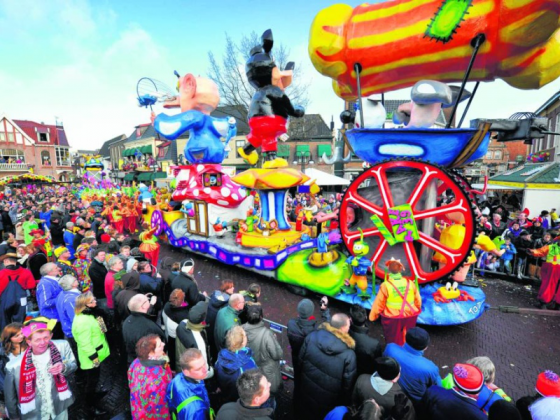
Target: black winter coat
367,349
57,234
185,340
522,245
327,372
7,221
97,272
136,326
298,330
189,287
218,300
237,411
35,262
131,283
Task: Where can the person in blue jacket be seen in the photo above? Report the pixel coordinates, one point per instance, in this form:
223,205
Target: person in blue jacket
66,302
235,359
187,397
148,283
417,372
48,290
508,256
46,216
69,236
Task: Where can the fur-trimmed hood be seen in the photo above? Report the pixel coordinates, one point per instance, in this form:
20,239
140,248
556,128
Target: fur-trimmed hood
343,337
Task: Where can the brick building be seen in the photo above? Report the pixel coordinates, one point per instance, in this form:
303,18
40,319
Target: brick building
28,145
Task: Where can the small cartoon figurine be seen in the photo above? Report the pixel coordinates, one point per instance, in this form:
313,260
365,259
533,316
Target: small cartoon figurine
220,227
299,221
270,106
449,292
188,209
358,265
267,228
248,225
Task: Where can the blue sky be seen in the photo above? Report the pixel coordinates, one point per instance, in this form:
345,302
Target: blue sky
80,60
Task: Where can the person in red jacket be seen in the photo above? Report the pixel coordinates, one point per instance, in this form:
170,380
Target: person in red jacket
13,271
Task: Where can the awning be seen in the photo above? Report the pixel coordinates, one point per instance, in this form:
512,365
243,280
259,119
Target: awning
322,149
283,150
159,175
145,176
147,150
129,177
494,187
322,178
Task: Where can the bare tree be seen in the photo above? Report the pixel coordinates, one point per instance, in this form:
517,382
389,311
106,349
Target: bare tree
229,74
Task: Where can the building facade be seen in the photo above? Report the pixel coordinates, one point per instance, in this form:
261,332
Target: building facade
30,146
550,143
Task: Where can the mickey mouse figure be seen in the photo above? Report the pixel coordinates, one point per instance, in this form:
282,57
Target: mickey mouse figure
270,106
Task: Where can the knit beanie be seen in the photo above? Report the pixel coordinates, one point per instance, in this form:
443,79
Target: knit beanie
468,378
548,384
387,368
305,308
417,338
129,264
59,251
197,314
502,410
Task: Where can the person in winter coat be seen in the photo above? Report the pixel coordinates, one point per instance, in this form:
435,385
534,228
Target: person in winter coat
185,281
115,265
191,334
30,396
138,324
68,237
97,273
304,324
327,369
235,359
458,403
187,397
7,220
267,352
523,244
88,330
508,256
218,300
254,399
227,317
382,387
148,379
417,372
149,283
498,226
367,348
35,260
48,290
57,231
537,230
12,271
174,312
131,283
66,304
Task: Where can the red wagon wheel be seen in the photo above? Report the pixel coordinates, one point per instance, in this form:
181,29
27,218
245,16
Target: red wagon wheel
397,182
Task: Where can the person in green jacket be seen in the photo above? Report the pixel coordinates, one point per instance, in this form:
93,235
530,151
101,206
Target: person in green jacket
227,318
88,329
30,224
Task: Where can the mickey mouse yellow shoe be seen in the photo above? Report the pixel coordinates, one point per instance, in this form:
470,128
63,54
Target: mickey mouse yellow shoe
276,163
250,158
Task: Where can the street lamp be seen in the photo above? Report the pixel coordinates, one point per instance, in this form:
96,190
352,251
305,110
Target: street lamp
303,158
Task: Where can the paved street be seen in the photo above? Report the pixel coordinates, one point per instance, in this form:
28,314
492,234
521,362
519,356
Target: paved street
521,346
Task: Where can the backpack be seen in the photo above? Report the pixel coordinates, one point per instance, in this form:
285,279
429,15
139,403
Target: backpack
13,303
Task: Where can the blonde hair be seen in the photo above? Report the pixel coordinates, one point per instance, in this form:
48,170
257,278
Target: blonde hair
235,338
82,301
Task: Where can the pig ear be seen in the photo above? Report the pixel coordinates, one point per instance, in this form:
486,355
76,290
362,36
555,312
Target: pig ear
188,83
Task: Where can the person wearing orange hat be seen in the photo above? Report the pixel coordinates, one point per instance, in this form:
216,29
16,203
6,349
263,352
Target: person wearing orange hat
398,302
149,246
36,385
548,385
458,403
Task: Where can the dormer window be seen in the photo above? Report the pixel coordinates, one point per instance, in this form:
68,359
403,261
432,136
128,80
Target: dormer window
44,137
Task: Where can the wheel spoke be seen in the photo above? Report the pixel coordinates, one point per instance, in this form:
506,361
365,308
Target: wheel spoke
384,189
355,198
413,262
367,232
376,256
452,255
457,206
421,186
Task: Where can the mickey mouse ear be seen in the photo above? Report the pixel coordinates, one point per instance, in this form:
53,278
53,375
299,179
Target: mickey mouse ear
267,40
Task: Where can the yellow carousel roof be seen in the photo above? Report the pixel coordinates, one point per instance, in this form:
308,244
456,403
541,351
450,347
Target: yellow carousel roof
270,179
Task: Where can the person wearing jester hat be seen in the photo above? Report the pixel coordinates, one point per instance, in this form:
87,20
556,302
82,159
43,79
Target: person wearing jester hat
36,386
149,246
41,242
398,302
81,266
358,265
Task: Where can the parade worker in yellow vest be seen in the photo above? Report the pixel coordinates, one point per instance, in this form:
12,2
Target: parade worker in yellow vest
398,302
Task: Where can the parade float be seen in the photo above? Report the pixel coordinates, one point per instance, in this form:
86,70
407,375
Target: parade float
410,204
